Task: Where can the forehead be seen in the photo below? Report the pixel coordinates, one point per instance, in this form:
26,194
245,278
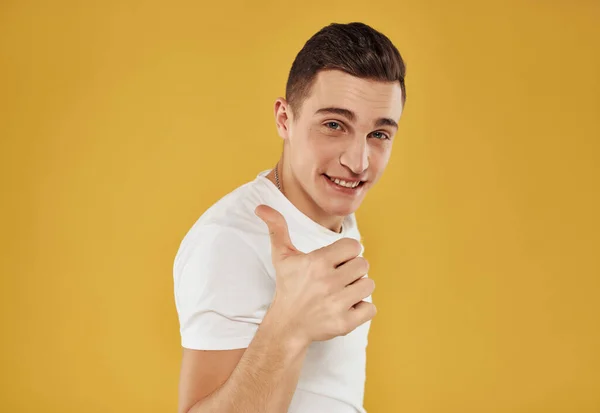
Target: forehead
369,99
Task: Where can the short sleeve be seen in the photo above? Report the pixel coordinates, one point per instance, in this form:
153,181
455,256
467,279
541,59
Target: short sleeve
222,290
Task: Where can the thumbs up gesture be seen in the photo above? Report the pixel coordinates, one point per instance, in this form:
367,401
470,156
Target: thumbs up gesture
318,296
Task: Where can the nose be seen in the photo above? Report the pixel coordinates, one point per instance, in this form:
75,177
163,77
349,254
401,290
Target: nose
356,155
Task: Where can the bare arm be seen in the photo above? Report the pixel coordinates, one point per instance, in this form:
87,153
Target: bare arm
265,378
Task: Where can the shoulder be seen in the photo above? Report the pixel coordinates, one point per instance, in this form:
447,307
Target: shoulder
236,209
228,230
215,250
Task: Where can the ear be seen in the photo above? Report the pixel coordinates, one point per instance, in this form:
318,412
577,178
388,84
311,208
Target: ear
283,117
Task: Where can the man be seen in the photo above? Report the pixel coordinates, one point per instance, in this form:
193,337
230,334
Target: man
271,287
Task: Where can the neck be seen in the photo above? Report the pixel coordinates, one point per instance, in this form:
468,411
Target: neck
303,201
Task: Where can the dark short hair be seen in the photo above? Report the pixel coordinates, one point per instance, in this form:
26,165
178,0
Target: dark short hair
354,48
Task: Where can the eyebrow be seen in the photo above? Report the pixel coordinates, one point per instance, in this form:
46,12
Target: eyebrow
347,113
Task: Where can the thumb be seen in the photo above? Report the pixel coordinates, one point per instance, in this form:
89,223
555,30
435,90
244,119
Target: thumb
281,244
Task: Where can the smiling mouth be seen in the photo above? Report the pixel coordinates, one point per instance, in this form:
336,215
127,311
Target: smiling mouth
345,184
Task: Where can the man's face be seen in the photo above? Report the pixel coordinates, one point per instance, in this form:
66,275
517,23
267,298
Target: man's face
344,130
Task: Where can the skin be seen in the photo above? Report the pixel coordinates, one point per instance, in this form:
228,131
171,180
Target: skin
353,144
350,145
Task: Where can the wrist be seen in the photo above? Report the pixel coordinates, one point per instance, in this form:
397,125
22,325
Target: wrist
277,328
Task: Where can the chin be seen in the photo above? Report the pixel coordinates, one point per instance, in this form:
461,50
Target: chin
341,209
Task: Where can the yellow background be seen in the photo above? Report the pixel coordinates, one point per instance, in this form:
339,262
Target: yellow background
121,122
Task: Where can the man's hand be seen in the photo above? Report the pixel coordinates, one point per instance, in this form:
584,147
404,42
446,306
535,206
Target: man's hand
318,295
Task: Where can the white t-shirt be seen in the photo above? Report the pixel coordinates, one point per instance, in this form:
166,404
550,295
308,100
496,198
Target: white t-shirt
224,282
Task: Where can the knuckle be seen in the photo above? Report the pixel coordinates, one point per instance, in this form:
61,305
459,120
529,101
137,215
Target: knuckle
369,285
373,310
370,311
357,246
363,265
353,244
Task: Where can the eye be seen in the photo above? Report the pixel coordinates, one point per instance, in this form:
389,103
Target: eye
380,135
333,125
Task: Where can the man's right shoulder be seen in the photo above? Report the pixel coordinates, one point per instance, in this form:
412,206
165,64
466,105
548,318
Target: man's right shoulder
236,209
231,218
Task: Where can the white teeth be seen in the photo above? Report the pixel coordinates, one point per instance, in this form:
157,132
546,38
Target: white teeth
344,183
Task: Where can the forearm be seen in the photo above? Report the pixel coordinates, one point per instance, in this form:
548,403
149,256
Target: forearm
265,378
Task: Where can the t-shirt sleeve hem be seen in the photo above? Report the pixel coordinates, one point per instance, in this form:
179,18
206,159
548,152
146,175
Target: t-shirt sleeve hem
217,343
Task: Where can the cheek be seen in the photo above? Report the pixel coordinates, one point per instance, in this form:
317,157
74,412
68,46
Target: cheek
314,139
379,158
321,148
307,153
